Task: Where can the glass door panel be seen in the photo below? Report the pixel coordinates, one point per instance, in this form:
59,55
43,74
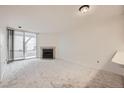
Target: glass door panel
10,45
30,45
18,45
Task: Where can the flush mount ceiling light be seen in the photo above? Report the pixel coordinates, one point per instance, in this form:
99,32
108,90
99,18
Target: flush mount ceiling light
84,8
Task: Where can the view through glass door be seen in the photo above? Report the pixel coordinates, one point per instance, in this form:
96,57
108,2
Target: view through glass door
30,45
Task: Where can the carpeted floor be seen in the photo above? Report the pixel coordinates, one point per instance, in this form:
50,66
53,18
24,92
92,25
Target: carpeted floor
37,73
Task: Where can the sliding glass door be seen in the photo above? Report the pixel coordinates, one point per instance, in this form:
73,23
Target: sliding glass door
21,45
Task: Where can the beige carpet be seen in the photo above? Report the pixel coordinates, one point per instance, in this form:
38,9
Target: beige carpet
57,74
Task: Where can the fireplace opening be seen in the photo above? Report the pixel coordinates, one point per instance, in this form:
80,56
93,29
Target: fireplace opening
48,53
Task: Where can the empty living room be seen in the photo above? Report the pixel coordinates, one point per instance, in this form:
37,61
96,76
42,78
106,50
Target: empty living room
61,46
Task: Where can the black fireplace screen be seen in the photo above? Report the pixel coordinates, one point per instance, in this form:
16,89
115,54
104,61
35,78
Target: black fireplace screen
47,54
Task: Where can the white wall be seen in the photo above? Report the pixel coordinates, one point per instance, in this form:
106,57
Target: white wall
48,40
3,50
0,53
94,41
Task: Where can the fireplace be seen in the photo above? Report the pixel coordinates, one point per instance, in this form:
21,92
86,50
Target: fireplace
48,53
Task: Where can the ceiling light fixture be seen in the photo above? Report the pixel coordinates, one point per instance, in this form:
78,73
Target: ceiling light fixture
84,8
19,27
